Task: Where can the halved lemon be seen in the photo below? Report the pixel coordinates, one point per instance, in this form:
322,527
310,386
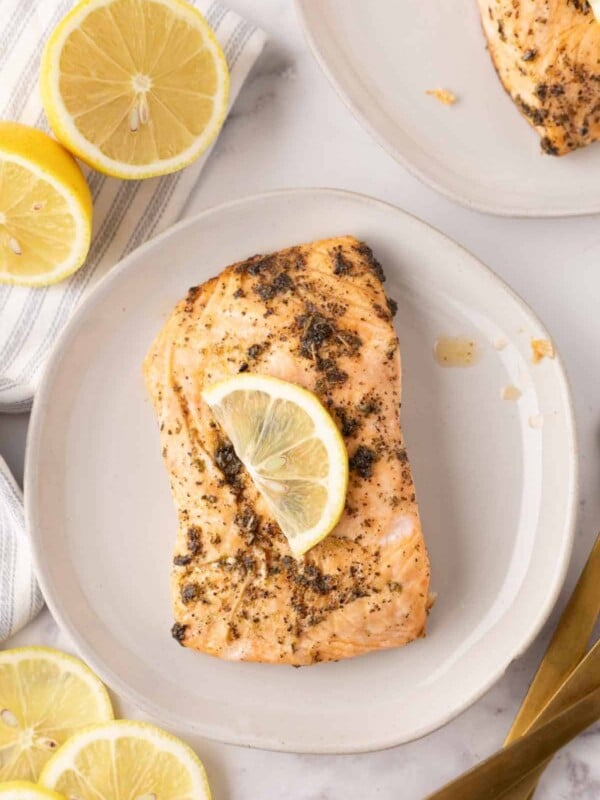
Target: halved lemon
45,696
45,208
135,88
125,759
24,790
292,450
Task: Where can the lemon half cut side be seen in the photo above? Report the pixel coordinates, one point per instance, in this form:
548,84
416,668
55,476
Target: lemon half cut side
135,88
45,208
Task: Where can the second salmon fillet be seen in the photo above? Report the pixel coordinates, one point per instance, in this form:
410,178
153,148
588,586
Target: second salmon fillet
315,315
546,53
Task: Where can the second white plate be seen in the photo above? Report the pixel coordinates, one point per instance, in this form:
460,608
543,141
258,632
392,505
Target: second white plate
383,56
496,494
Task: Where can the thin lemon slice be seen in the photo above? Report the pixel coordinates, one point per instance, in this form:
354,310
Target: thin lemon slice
45,208
45,696
135,88
23,790
125,759
291,448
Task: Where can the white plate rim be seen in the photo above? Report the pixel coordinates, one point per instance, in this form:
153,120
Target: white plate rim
351,97
31,480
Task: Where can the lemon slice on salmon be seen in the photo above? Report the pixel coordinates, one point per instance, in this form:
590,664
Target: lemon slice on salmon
45,208
45,696
135,88
292,450
24,790
125,759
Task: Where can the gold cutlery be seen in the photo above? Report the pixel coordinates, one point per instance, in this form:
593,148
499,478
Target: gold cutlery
583,680
562,697
567,647
495,776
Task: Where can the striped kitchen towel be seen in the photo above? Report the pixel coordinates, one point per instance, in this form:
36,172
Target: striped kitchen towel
20,598
126,213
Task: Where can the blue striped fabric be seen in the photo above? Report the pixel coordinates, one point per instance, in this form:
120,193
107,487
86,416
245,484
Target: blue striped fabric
20,598
126,213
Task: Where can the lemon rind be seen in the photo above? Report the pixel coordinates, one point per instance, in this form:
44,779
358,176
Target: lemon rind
24,790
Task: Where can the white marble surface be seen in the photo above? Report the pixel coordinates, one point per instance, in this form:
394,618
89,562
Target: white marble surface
290,129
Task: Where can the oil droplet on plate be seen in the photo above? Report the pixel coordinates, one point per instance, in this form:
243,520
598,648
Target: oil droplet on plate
456,351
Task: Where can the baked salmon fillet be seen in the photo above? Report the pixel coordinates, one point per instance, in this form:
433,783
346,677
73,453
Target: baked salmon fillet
546,53
315,315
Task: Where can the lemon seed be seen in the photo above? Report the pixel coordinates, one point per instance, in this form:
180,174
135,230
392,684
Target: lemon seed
134,119
15,246
144,110
47,744
8,718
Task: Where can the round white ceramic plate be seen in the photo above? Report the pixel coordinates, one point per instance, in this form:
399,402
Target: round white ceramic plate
496,495
383,56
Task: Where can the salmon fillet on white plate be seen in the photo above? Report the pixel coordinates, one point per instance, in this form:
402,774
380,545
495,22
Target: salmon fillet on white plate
317,316
546,53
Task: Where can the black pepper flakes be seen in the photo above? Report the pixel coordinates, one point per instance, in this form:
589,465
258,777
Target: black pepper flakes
189,592
248,521
191,296
392,306
194,540
341,264
316,329
279,285
365,251
178,632
254,351
348,424
228,462
362,461
369,405
549,147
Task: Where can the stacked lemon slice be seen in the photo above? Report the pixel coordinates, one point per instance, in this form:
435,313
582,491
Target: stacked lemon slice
57,728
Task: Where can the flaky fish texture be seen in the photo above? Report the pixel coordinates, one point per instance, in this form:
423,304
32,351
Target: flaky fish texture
547,55
316,315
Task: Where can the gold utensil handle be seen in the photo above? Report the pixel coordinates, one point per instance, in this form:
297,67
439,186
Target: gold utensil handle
567,647
581,682
497,774
564,683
